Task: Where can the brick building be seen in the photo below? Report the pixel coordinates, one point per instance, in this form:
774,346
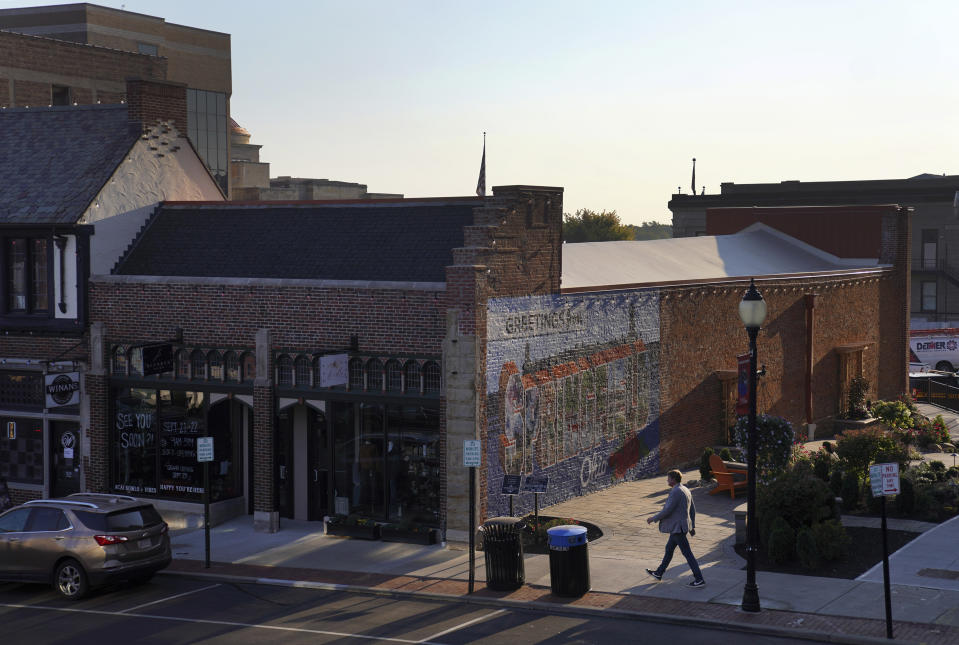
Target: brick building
84,53
934,300
76,183
341,352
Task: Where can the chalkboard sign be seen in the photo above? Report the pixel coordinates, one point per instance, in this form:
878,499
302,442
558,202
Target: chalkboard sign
5,502
536,483
511,484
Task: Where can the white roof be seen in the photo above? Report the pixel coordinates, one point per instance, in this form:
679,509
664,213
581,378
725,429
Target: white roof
756,251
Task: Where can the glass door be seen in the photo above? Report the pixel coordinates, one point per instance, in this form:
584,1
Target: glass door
284,465
65,452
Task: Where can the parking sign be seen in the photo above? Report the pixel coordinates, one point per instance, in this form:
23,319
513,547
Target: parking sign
884,479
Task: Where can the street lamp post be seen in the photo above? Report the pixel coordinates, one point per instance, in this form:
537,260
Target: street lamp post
752,311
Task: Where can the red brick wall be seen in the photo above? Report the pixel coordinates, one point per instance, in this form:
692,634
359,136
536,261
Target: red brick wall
848,310
844,231
71,64
96,464
152,101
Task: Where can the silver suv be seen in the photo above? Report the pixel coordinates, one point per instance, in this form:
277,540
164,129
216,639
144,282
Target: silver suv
82,541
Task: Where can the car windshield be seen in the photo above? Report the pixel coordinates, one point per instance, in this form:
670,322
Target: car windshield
128,520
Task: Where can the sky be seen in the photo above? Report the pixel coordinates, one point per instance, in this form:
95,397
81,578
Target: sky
609,100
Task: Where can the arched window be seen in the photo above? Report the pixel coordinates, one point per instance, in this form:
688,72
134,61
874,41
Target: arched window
374,375
215,365
316,372
183,364
249,367
412,373
356,374
284,371
394,376
302,371
232,364
431,377
119,361
198,365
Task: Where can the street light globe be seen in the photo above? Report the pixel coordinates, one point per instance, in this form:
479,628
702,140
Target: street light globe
752,308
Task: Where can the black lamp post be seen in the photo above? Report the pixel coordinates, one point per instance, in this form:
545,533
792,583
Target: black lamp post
752,311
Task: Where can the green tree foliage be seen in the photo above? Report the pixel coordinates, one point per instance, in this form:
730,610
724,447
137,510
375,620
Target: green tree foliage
590,226
652,231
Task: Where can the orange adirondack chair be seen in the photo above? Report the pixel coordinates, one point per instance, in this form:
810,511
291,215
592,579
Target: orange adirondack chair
727,478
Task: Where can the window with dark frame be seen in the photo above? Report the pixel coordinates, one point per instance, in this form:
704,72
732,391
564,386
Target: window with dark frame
412,373
431,378
232,363
27,262
928,295
198,365
284,371
119,367
215,366
374,375
183,364
356,374
394,376
301,371
59,95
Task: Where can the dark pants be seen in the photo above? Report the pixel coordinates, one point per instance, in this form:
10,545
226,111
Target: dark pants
679,539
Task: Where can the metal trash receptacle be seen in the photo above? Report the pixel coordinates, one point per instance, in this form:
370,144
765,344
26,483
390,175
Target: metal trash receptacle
568,560
503,550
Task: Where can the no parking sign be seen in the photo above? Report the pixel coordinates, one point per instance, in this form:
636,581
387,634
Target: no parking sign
884,479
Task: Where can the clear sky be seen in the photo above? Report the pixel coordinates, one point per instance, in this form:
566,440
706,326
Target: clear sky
610,100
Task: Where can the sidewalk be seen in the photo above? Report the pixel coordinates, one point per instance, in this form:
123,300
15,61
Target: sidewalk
924,575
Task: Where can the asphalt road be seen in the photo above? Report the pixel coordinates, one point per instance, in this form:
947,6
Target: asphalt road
175,609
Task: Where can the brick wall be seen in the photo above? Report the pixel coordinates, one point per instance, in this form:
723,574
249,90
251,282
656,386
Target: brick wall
152,101
92,73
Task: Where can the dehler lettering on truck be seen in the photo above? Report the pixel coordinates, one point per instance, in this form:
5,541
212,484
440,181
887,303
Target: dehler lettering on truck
936,347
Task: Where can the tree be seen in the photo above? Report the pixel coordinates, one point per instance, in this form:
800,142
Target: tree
590,226
652,231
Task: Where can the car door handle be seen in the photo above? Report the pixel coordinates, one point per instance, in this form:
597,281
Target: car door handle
58,538
316,475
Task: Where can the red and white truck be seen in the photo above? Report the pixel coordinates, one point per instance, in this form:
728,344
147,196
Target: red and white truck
937,348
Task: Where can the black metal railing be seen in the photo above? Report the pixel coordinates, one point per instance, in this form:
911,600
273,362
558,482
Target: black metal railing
934,390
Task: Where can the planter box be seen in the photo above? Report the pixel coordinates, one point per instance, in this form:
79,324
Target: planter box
841,425
371,532
411,537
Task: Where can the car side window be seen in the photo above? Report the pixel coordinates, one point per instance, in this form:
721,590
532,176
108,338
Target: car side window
15,521
47,519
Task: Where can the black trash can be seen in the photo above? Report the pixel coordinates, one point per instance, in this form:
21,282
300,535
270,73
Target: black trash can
503,548
568,560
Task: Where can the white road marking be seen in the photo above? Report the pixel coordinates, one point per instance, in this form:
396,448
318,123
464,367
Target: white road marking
224,623
179,595
460,626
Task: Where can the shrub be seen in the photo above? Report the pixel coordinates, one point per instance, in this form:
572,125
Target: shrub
893,414
782,541
906,499
705,472
856,399
806,548
832,541
850,490
860,448
933,431
835,482
822,463
797,497
774,440
952,473
725,454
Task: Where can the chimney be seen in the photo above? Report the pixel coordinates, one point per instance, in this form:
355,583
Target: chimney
152,101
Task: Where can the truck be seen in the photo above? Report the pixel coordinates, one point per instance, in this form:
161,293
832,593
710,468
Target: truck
938,348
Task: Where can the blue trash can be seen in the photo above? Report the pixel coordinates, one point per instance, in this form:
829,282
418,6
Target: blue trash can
568,560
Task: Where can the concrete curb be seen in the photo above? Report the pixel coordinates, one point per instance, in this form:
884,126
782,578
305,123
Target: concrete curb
592,612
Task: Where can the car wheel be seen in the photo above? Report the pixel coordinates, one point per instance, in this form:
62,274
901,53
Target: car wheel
70,580
944,366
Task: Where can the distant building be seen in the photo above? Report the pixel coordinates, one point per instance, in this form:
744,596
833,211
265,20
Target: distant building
250,178
84,53
934,287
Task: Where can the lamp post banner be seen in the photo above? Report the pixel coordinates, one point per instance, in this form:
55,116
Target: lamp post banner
742,398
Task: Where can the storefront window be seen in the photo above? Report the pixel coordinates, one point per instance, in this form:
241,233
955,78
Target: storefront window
182,420
21,450
368,455
412,458
134,441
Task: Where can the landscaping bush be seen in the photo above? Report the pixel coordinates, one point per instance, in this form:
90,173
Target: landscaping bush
705,472
893,414
952,473
832,541
906,499
856,407
798,497
822,463
933,432
835,482
860,448
775,438
782,541
850,490
726,455
806,548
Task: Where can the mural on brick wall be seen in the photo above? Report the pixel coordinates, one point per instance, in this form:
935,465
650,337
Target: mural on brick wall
572,393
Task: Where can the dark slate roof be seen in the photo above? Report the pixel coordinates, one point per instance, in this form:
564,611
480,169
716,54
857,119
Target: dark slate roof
54,160
405,241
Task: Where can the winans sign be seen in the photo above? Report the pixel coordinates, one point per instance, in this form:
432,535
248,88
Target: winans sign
62,389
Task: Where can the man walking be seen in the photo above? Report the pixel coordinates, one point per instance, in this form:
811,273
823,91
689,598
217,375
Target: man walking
677,517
